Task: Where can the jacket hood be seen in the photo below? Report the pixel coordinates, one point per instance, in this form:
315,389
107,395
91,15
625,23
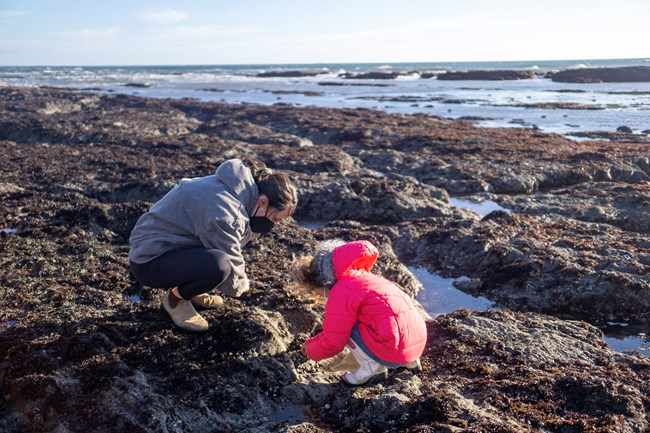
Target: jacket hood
354,256
239,181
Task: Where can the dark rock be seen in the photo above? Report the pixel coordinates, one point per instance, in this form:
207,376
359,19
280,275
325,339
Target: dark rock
497,75
141,85
368,198
625,129
289,74
541,264
604,75
371,75
620,137
248,132
336,83
516,184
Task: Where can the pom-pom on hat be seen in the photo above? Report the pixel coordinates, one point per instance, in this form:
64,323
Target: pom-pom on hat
322,265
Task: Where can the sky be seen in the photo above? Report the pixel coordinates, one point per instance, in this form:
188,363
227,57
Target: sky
200,32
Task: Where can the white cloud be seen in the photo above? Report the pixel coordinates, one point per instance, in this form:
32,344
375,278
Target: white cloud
163,16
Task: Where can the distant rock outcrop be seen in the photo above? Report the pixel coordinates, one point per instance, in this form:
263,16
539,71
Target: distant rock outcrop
604,75
289,74
497,75
371,75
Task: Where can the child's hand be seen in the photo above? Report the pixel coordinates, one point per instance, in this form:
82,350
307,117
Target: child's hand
303,349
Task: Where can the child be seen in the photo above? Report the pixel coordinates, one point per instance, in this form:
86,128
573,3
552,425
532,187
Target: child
374,317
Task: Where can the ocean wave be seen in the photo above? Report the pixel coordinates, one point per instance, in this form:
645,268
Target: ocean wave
409,76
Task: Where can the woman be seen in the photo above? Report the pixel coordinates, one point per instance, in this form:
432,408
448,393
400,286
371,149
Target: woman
376,319
190,241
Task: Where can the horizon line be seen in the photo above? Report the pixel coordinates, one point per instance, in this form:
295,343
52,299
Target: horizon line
315,63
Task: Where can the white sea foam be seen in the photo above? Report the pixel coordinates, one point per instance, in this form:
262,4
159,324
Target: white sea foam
411,76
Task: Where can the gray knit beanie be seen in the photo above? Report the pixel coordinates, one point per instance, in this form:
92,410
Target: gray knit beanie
322,265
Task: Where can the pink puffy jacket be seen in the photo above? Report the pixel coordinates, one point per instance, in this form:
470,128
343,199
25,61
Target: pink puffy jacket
390,325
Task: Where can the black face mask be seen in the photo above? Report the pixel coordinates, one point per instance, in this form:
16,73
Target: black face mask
261,224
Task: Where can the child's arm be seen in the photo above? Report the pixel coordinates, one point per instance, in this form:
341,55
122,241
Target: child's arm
340,316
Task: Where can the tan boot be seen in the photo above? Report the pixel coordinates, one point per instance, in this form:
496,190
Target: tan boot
184,315
369,368
206,300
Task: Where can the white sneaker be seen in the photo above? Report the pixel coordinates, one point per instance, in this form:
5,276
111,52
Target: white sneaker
415,366
184,315
205,300
369,368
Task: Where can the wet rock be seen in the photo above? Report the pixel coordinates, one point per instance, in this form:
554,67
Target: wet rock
617,136
518,184
604,75
369,198
139,85
251,133
562,364
371,75
497,75
289,74
549,264
644,164
625,129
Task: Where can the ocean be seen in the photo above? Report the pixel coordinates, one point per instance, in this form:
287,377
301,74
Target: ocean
539,102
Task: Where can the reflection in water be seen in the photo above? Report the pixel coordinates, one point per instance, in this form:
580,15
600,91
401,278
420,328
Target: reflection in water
440,296
289,414
312,224
622,336
481,207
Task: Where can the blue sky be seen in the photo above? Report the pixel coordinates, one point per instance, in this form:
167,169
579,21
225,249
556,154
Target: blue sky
172,32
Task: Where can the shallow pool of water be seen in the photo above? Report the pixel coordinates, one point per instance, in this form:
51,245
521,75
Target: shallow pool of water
312,224
622,336
439,296
481,207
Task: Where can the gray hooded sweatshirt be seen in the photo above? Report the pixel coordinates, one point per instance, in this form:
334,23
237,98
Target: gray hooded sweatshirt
203,212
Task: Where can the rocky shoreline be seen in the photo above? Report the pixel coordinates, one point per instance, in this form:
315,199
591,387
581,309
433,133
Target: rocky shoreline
83,348
580,75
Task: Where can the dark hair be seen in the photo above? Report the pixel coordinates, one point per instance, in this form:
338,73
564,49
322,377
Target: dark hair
277,187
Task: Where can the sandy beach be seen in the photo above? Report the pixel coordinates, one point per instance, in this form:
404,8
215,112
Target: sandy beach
84,348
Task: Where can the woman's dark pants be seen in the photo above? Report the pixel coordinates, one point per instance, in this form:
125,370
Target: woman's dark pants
193,271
